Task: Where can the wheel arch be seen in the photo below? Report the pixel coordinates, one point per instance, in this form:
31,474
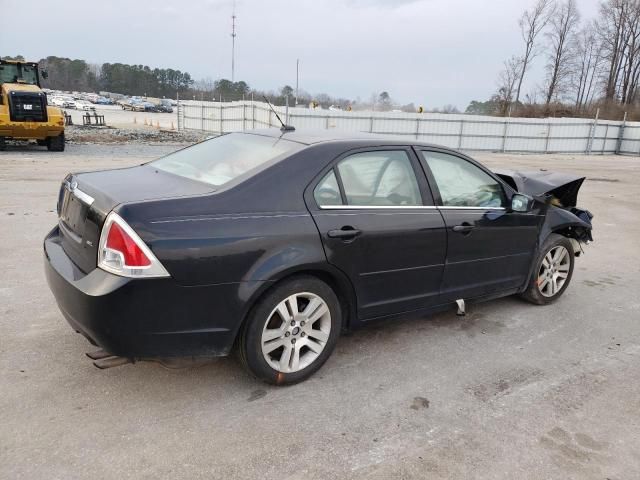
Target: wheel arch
337,281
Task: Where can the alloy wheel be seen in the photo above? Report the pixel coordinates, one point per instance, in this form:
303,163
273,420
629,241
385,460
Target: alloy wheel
296,332
554,271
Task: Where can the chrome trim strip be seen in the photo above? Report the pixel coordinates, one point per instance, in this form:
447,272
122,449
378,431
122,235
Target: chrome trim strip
445,207
377,207
83,197
404,207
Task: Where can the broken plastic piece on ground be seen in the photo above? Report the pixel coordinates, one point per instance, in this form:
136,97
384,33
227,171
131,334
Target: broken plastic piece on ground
461,308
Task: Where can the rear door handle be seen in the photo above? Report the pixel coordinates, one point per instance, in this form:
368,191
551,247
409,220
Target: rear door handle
345,233
464,228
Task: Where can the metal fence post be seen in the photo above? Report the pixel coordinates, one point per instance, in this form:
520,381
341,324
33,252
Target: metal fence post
371,125
417,128
621,134
202,116
592,133
546,143
253,113
604,142
286,112
504,136
221,118
326,126
460,133
244,114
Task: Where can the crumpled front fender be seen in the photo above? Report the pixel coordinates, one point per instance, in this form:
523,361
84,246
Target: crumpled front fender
574,223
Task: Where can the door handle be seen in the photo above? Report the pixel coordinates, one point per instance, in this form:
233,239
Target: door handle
345,233
465,228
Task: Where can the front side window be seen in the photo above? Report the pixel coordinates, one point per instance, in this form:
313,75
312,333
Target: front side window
223,159
380,178
462,184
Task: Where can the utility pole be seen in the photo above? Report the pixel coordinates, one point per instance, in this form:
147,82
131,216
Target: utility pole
297,78
233,43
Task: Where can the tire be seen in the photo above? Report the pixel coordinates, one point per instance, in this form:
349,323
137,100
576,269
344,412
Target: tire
3,144
56,144
553,271
267,342
41,143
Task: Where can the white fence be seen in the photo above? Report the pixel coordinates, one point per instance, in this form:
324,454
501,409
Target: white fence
464,132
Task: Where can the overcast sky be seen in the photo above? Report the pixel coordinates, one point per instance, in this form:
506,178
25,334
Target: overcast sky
430,52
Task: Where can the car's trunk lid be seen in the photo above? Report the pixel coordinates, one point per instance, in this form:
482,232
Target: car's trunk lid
85,199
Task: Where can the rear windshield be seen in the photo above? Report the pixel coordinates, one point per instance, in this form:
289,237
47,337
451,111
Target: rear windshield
223,159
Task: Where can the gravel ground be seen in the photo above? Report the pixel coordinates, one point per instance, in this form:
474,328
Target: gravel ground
509,391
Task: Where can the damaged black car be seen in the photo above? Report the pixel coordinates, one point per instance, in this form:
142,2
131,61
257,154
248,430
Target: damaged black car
271,243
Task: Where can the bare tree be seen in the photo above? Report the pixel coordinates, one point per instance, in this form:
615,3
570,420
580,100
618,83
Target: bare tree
631,66
507,84
563,24
611,31
618,29
587,65
532,23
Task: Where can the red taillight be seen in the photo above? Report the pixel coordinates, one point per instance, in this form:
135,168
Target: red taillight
122,252
118,240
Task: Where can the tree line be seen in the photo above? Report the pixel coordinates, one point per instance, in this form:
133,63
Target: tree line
78,75
140,80
588,64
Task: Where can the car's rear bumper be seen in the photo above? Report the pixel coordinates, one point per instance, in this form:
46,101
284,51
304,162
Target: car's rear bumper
142,318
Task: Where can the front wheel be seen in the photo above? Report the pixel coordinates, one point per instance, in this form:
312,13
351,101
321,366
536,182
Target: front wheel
56,144
291,331
552,272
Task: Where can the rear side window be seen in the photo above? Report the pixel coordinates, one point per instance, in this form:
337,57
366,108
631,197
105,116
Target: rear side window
380,178
226,158
462,184
327,192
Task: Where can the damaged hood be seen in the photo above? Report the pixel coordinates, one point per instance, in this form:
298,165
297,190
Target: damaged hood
562,186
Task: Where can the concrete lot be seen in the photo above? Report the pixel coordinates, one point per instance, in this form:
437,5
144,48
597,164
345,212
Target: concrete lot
510,391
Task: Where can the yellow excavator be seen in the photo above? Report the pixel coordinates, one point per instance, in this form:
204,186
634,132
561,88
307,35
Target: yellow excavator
24,112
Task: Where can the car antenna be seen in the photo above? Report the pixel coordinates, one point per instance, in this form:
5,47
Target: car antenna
284,128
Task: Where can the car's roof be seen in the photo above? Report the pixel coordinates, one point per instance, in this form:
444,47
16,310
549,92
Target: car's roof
311,137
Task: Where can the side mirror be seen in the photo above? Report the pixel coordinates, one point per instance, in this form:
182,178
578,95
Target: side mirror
521,203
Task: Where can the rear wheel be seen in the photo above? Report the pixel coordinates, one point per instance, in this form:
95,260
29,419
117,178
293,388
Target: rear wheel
56,144
291,331
553,271
3,144
41,143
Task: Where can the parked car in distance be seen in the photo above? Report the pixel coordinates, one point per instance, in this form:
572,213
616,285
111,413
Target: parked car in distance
63,102
57,101
84,105
164,106
104,101
276,241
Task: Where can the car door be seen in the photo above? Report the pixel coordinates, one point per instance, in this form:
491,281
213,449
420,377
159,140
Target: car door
379,225
489,247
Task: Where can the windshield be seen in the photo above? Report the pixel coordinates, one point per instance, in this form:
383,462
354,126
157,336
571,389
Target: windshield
12,72
225,158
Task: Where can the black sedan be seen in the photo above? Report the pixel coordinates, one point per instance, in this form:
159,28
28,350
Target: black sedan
272,242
